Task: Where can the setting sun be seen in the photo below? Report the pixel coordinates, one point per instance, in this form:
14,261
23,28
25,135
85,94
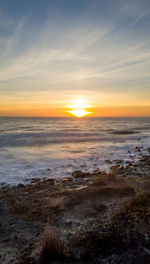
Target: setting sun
78,108
79,112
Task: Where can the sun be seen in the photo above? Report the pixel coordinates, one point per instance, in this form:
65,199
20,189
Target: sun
79,112
78,107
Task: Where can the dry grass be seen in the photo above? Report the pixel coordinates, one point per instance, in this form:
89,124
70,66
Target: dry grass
43,201
35,207
94,242
123,232
136,210
57,203
101,180
18,206
52,247
106,178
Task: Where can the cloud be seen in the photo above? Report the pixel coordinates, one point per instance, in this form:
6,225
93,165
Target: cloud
107,53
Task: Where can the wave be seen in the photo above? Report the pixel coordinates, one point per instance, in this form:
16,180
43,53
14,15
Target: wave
33,139
125,132
40,131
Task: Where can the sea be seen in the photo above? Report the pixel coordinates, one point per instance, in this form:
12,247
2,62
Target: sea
56,147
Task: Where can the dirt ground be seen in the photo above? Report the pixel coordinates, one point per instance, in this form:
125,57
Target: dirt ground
73,206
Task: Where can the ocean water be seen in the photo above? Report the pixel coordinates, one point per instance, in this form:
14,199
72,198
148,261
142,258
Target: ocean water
55,147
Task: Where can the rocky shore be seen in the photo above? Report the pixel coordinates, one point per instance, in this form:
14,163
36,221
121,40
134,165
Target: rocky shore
87,218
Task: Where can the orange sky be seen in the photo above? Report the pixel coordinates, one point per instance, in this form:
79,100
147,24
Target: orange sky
101,111
46,103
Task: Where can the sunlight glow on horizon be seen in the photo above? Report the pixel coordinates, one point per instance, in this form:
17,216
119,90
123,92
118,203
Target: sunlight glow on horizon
80,103
78,107
79,112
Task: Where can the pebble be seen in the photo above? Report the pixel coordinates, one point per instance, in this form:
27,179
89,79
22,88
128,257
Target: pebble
25,193
68,221
79,180
65,180
137,149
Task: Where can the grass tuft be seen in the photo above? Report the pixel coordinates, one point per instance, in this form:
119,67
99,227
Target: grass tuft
52,247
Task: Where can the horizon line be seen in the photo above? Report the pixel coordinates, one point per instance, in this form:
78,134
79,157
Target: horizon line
76,116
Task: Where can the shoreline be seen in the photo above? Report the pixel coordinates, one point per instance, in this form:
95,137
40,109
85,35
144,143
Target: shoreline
56,148
91,166
76,207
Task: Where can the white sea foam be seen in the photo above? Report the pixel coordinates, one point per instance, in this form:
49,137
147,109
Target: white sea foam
43,147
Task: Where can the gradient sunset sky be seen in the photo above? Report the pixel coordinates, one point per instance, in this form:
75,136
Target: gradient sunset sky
56,52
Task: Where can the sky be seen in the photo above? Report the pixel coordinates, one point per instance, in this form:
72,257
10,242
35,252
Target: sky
55,53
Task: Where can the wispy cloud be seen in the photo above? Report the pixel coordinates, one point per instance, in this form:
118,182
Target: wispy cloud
105,54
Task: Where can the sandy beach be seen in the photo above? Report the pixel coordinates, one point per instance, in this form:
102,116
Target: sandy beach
93,218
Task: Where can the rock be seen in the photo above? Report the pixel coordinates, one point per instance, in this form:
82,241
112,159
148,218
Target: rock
119,161
4,185
25,193
146,237
79,180
108,161
49,180
68,222
34,180
90,182
65,180
137,149
80,174
77,173
70,179
20,185
114,167
103,261
130,164
74,186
